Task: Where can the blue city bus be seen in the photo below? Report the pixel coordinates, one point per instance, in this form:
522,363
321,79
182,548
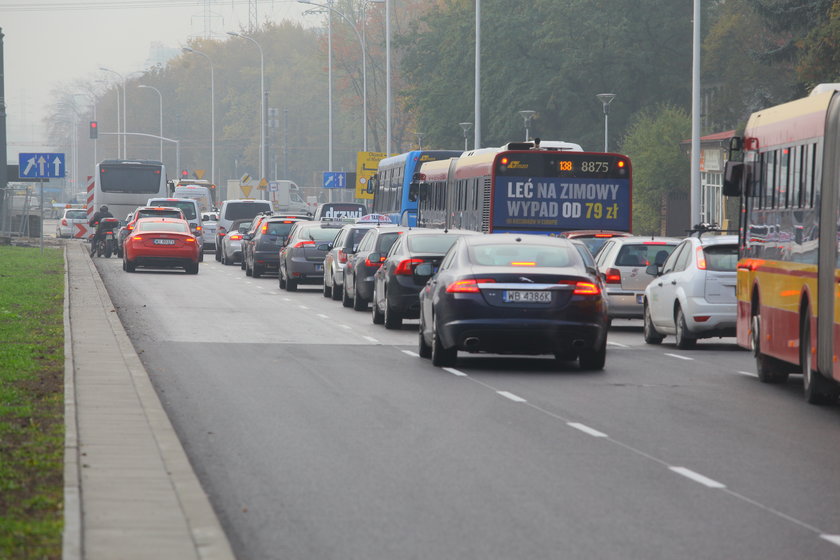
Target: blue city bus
545,189
390,186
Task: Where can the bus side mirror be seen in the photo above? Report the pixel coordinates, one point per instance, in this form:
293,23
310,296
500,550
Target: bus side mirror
372,184
413,191
732,179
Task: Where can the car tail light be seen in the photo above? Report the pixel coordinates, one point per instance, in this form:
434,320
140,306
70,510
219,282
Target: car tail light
612,276
654,243
603,235
63,222
129,227
136,238
582,288
220,231
300,244
342,256
702,318
523,263
701,259
190,239
369,262
468,286
406,267
236,237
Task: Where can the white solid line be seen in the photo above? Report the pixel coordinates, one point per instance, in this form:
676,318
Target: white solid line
322,316
611,343
697,477
749,373
454,371
586,429
833,539
370,338
678,356
511,396
410,353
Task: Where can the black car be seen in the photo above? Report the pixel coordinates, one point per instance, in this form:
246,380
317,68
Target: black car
361,265
261,246
395,285
341,249
513,294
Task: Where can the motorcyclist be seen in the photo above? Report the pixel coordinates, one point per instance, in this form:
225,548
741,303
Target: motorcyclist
96,221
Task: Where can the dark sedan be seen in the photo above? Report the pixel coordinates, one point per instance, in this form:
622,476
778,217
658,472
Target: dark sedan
513,294
302,255
263,245
361,266
395,285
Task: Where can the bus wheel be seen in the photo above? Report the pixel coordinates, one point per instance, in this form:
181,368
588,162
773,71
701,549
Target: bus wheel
769,369
818,389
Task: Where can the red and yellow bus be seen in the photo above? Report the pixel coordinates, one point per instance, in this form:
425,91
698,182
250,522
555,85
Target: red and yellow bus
788,287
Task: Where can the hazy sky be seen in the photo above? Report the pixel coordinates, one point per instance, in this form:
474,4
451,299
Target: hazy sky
52,43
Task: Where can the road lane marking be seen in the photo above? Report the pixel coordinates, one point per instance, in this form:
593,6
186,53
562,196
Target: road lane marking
833,539
511,396
345,326
410,353
302,307
748,373
322,316
678,356
586,429
454,371
370,338
697,477
287,299
617,344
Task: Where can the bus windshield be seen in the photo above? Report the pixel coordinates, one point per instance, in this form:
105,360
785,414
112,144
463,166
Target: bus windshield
128,178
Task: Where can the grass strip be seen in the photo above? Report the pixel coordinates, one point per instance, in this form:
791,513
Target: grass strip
31,402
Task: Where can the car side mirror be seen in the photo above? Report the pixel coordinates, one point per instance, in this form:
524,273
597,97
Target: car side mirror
424,269
248,236
654,270
324,247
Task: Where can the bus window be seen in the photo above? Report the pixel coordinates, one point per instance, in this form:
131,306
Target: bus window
796,177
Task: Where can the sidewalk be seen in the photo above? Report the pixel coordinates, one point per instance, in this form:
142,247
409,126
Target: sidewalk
130,491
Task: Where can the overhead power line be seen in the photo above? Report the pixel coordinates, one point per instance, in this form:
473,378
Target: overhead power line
82,5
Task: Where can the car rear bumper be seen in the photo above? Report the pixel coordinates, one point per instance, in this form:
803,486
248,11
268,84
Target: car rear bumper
305,272
721,321
267,260
163,262
626,304
521,336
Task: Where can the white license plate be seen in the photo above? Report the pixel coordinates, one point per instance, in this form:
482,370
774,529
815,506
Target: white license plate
526,296
319,267
640,298
164,242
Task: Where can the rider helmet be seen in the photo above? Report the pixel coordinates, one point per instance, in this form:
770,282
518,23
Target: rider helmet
103,208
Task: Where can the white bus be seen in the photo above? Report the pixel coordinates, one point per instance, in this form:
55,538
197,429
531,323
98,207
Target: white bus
123,185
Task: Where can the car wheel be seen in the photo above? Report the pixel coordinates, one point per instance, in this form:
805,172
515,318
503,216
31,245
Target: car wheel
651,334
248,270
337,293
281,279
770,370
218,254
376,314
223,259
392,318
442,357
192,268
119,252
684,340
328,291
593,358
359,303
818,389
346,301
423,348
129,266
291,285
257,271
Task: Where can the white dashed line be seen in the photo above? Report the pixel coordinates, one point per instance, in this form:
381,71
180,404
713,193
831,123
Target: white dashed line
586,429
748,373
345,326
697,477
511,396
287,299
833,539
618,344
370,338
678,356
454,371
302,307
410,353
322,316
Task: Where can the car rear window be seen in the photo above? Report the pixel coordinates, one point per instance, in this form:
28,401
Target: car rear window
158,213
433,244
509,254
278,228
386,240
318,234
163,226
721,257
187,207
243,210
76,215
643,254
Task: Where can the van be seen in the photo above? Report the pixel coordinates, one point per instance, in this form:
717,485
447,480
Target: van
189,206
198,193
238,209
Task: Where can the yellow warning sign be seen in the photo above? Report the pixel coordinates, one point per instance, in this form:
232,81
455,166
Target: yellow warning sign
263,184
366,166
246,190
199,173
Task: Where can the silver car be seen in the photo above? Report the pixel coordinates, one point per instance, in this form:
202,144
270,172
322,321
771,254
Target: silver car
230,246
208,232
693,295
623,262
302,254
67,223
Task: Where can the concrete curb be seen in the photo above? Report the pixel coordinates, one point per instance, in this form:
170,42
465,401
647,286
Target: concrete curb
72,533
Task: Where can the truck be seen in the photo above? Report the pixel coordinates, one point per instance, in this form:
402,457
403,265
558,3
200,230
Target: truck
286,196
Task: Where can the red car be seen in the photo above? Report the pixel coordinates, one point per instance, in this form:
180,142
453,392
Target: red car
162,243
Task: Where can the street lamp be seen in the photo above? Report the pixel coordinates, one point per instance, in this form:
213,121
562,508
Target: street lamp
212,113
527,115
262,100
605,99
465,126
419,136
160,95
125,123
361,39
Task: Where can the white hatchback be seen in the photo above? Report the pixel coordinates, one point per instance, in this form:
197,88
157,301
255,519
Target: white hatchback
67,223
693,295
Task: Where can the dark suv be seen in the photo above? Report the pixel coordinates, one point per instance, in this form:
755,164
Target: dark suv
396,286
361,265
262,244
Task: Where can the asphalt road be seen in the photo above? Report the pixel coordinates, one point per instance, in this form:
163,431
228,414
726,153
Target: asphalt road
319,435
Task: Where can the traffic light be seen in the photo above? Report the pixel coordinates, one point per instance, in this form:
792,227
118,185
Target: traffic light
94,130
184,173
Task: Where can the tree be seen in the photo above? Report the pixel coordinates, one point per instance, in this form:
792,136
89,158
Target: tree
659,165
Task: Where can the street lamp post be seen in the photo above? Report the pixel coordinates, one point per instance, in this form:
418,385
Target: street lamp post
124,122
262,100
606,99
465,126
419,136
160,96
212,114
527,115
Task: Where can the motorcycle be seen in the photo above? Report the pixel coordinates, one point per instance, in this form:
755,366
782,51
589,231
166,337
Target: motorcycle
107,246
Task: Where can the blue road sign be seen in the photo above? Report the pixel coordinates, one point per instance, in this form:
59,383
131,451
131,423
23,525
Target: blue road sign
41,166
335,180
